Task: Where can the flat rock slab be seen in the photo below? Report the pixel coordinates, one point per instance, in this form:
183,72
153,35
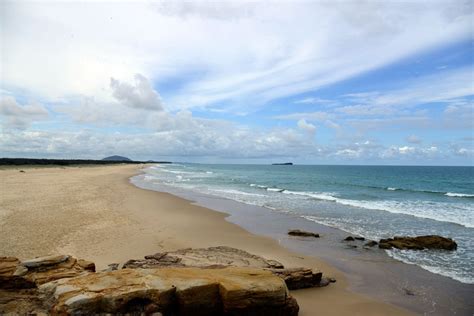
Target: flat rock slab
204,257
222,256
172,291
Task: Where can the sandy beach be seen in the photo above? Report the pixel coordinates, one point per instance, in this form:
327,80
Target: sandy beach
96,214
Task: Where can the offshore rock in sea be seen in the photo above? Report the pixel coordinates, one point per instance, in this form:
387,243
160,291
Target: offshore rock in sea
419,243
222,256
172,291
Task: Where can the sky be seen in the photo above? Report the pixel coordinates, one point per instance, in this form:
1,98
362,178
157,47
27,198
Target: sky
312,82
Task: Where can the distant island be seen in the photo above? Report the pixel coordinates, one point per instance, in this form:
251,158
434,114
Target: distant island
283,164
116,158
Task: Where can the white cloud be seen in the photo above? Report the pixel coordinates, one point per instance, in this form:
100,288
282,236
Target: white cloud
464,152
140,95
252,52
317,101
406,150
308,127
459,114
445,87
14,115
349,153
313,116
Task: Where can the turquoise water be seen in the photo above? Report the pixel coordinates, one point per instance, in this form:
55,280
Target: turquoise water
371,201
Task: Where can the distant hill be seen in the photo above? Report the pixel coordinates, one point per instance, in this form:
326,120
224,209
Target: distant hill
283,164
116,158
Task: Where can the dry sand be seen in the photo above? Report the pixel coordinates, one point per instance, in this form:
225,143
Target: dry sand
94,213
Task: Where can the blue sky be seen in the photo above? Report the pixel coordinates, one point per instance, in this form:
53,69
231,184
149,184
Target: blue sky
363,82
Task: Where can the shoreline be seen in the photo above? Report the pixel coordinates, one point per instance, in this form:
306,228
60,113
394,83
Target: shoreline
95,213
405,285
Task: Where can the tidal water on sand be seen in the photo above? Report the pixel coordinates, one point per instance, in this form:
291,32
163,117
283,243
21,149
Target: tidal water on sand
371,201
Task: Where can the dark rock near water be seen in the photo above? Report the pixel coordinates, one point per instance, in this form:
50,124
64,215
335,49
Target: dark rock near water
419,243
349,238
299,278
359,238
408,291
302,233
371,243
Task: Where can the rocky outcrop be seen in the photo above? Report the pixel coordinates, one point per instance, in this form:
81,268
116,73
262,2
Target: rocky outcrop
30,273
205,281
172,291
302,233
222,256
418,243
19,281
349,238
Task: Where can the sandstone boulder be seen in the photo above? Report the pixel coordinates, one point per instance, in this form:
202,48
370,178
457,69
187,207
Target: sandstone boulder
175,291
418,243
302,233
16,274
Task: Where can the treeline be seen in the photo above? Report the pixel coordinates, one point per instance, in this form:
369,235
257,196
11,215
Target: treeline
66,162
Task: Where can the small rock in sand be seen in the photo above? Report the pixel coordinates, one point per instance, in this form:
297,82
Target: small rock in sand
302,233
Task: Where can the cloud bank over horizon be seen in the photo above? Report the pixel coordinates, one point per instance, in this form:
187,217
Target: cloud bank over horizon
362,83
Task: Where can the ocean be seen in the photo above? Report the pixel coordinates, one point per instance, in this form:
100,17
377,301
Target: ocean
371,201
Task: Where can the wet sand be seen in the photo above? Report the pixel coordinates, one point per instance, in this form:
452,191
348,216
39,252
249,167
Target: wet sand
96,214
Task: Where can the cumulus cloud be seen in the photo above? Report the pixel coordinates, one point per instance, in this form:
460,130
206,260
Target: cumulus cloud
406,150
195,142
464,152
140,95
14,115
